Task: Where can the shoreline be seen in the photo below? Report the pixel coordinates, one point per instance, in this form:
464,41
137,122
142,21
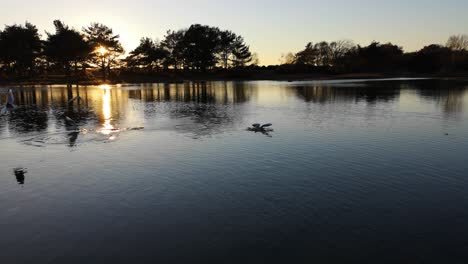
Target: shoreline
214,78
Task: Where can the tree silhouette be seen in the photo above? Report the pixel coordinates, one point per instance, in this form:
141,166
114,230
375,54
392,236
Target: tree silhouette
232,50
458,43
226,47
20,46
324,53
106,45
241,52
430,59
255,60
203,50
308,56
66,47
148,54
200,44
339,49
172,43
288,58
377,57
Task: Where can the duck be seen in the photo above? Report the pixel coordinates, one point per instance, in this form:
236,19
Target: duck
257,127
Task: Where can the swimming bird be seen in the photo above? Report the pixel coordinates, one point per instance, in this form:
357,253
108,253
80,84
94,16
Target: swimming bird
258,127
264,129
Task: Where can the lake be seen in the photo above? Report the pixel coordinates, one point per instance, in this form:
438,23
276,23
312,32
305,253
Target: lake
353,171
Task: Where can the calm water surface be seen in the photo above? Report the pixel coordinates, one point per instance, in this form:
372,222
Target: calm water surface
354,172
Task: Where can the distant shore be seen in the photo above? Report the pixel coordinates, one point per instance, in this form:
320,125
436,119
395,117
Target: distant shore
129,79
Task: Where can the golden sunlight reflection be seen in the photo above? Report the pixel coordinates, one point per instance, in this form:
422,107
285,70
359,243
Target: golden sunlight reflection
107,127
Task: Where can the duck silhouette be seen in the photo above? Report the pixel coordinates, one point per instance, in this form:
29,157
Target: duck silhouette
259,128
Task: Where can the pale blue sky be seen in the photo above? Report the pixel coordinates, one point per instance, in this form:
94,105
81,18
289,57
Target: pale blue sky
270,27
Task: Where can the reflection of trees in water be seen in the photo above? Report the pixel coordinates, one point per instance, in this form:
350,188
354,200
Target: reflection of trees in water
448,95
200,92
74,106
72,102
37,102
202,108
204,119
32,96
2,123
3,120
454,101
326,93
28,119
30,115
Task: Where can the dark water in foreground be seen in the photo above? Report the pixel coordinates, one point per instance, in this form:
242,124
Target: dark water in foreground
354,172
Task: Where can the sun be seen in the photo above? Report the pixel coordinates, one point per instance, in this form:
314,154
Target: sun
102,50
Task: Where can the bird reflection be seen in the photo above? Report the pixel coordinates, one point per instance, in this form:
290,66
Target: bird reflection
9,103
72,127
19,174
72,137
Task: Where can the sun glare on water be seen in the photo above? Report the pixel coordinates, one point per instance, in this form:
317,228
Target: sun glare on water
107,127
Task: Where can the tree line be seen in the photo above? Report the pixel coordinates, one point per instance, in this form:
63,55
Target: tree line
68,51
200,49
197,48
345,57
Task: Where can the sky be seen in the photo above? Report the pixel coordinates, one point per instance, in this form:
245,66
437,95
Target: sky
270,27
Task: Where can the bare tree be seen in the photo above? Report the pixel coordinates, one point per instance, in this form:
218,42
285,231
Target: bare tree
339,49
287,58
458,42
255,59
